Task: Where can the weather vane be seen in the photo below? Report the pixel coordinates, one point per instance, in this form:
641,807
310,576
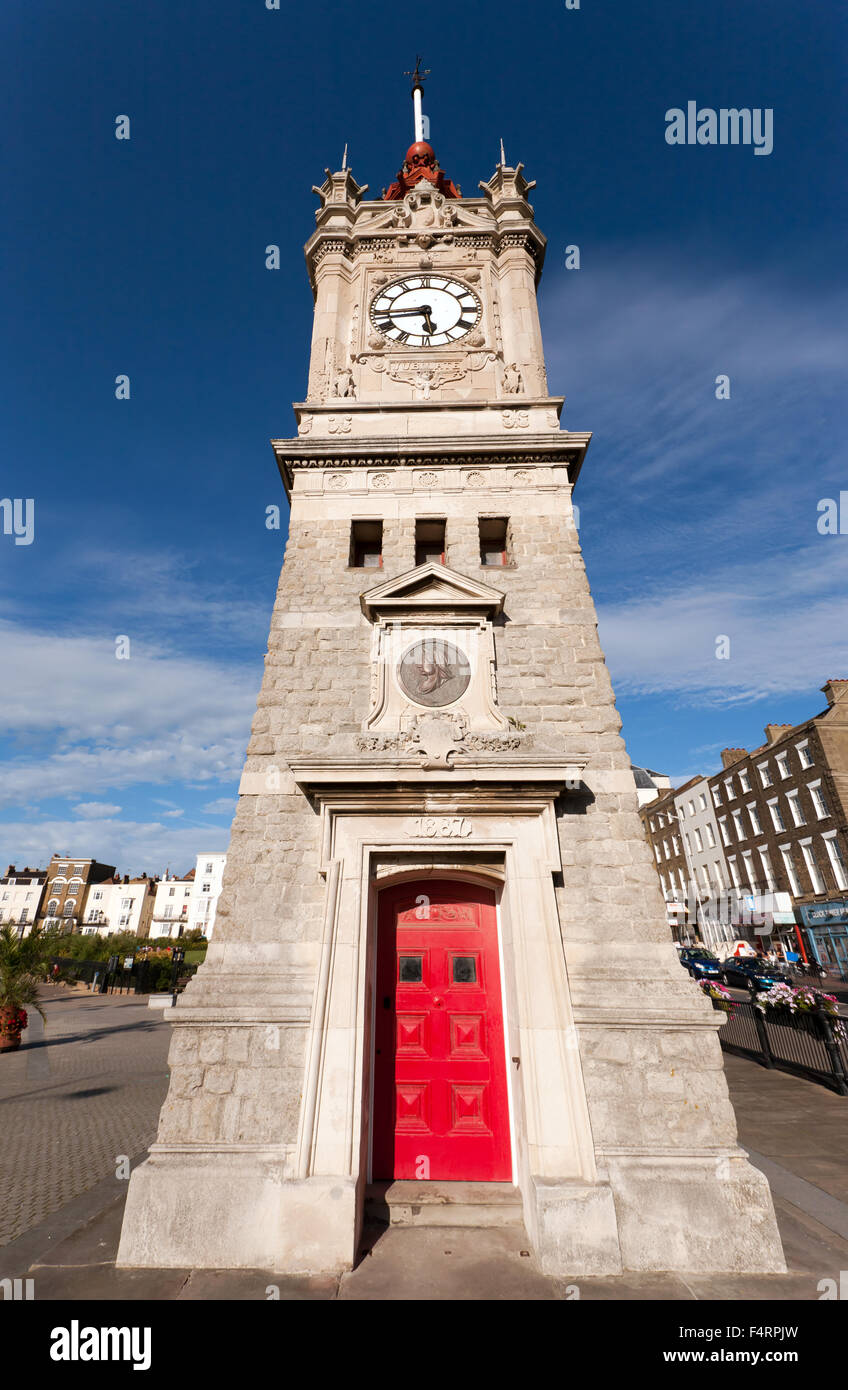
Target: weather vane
418,78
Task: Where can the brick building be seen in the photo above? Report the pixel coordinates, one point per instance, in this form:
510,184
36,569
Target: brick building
782,811
665,836
68,882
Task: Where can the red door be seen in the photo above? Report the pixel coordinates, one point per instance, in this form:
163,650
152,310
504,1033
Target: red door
440,1097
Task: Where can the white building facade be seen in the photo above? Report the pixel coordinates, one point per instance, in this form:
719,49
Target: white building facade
208,877
20,897
171,906
119,907
708,879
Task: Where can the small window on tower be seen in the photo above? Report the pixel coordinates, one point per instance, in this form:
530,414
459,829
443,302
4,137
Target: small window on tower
493,540
429,542
366,544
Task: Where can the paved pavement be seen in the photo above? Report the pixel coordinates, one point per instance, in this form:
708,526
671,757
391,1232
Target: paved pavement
83,1089
104,1100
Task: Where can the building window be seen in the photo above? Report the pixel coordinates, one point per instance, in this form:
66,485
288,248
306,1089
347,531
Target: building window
666,849
126,903
705,875
817,798
206,887
744,781
728,782
691,808
493,540
734,873
702,802
765,775
52,906
710,836
208,869
789,866
171,892
699,843
169,910
794,799
716,796
749,868
837,859
69,908
812,867
804,754
719,876
776,817
782,761
429,549
725,833
688,842
740,830
652,823
366,544
96,896
675,844
756,825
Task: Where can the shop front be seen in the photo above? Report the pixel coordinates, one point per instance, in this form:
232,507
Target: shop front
827,931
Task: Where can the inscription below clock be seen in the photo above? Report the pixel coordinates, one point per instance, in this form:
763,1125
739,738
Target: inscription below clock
425,310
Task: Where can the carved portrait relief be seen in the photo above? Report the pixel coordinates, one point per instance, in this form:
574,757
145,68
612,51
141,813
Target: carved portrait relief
434,673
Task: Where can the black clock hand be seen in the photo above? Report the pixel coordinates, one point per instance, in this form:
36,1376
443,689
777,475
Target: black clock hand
425,311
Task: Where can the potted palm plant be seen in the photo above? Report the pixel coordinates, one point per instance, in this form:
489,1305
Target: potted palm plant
22,962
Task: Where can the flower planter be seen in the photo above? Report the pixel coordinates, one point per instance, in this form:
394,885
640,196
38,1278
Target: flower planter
12,1024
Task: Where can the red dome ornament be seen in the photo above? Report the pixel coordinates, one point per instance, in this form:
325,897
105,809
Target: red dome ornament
420,164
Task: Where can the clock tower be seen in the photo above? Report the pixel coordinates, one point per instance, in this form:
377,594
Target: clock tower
441,974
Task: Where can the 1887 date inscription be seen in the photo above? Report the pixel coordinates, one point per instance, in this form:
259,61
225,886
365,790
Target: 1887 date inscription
439,828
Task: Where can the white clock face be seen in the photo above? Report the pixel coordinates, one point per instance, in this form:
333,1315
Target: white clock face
425,310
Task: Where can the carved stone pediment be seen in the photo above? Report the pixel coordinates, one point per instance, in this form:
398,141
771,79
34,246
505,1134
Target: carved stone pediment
431,589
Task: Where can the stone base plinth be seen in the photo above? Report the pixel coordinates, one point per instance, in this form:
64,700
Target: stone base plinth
236,1211
697,1214
573,1228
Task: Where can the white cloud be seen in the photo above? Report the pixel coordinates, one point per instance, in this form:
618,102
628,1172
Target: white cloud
786,617
224,806
134,847
95,810
163,719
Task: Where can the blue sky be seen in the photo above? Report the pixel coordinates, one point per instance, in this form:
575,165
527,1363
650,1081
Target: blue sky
146,257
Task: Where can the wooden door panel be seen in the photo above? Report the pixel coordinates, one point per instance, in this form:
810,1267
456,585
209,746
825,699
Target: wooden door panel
440,1091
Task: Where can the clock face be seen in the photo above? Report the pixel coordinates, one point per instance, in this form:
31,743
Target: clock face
425,310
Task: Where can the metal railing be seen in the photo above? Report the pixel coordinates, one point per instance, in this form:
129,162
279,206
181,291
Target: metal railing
811,1044
144,977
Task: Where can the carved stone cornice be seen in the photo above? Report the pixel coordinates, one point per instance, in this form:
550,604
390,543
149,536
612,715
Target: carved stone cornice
566,449
509,769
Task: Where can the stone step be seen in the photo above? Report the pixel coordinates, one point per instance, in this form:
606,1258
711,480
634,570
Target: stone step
408,1203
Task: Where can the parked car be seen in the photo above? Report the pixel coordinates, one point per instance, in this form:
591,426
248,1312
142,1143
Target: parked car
752,972
700,962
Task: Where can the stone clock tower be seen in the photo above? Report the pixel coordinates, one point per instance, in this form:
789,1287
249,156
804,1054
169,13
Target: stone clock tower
440,953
